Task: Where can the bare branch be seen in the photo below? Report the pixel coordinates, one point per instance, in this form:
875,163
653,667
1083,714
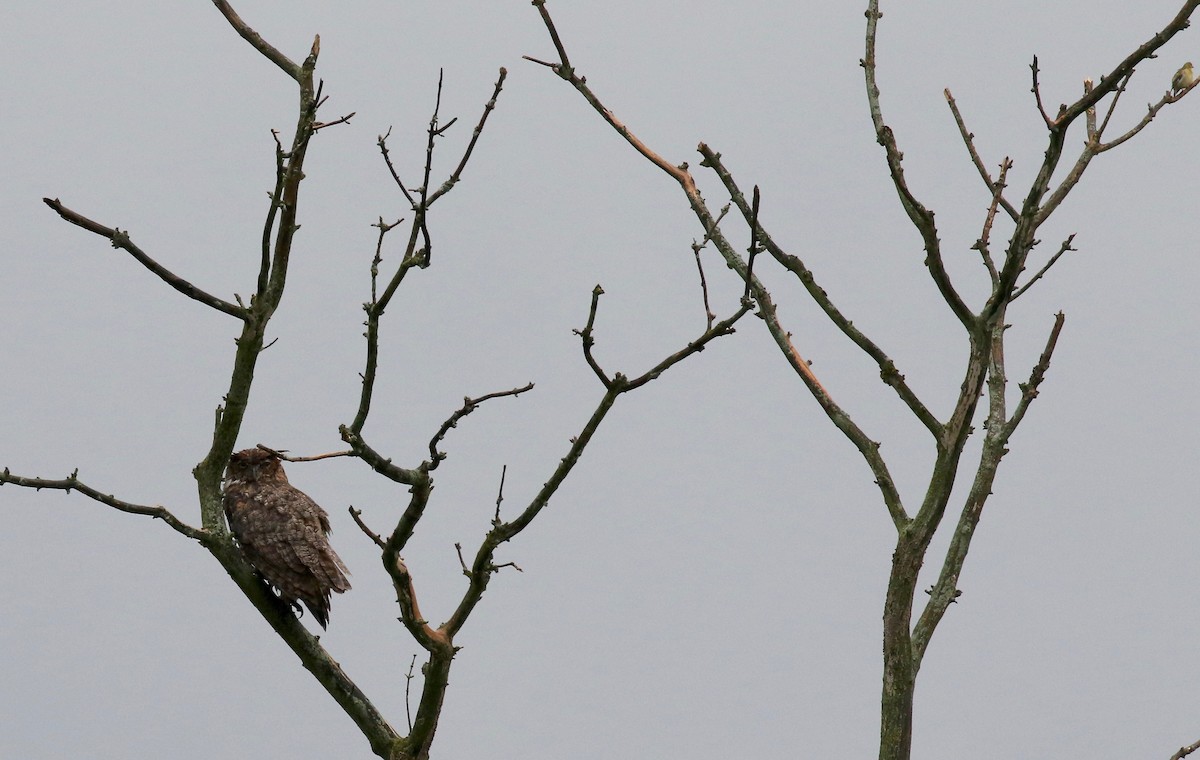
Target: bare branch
499,497
921,217
1119,75
120,239
887,368
724,327
406,596
1037,93
318,126
261,45
995,188
264,267
562,52
1066,246
585,337
419,230
282,454
983,244
766,306
387,159
1029,390
752,251
377,461
462,164
357,515
1093,132
378,304
469,405
482,567
1185,751
1151,111
709,316
564,69
408,677
72,483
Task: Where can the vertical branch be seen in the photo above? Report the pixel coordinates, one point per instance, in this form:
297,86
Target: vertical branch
753,250
229,416
921,217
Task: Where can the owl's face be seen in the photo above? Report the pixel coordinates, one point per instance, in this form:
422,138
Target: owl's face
254,464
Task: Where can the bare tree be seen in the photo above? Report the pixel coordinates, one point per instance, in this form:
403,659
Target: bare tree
280,225
906,636
908,625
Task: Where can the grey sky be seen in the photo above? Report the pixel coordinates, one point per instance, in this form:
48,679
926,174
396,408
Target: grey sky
709,581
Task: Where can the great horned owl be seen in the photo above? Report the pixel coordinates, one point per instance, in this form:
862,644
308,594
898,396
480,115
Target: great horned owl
283,533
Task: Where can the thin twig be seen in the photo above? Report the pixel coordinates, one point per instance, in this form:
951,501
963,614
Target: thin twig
469,405
983,244
318,126
1029,390
753,250
1066,246
500,494
562,52
462,164
1036,89
282,454
1112,105
995,188
724,327
357,515
1151,111
408,678
709,316
264,267
587,339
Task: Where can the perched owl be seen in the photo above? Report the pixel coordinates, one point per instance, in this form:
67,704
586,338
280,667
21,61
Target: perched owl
282,532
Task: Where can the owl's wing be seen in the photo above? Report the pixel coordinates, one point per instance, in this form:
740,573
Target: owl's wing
303,541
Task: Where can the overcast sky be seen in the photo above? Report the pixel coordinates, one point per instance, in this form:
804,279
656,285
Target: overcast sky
709,582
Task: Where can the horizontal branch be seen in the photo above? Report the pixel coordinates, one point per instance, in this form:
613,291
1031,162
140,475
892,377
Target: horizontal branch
72,483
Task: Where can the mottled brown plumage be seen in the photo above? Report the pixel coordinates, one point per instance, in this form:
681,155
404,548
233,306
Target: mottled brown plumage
283,533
